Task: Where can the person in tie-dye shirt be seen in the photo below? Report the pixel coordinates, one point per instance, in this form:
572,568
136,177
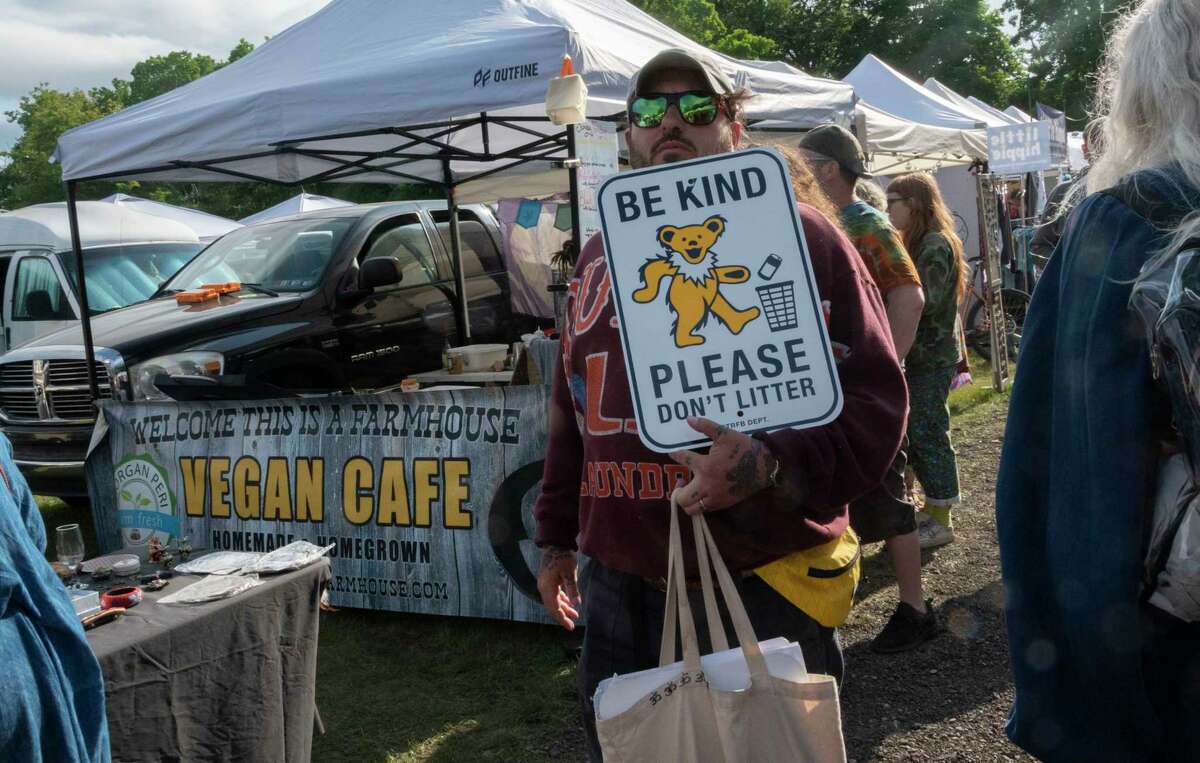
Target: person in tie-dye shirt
886,513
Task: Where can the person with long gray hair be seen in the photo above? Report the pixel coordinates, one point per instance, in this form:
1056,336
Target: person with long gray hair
1101,672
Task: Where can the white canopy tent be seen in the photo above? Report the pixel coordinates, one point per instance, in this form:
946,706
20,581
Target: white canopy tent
301,202
103,224
887,89
378,91
207,227
385,92
969,106
1018,115
989,109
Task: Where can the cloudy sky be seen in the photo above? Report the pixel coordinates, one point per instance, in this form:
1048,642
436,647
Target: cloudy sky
85,43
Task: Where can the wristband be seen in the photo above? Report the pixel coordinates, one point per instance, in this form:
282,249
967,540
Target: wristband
120,597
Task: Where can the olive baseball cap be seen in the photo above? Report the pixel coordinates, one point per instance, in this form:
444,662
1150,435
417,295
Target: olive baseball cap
678,58
839,144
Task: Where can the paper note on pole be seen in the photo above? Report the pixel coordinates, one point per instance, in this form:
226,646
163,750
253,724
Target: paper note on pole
718,308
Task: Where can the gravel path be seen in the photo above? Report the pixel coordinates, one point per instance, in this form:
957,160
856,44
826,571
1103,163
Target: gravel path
947,700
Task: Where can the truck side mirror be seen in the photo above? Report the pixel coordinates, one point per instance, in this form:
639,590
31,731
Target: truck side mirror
380,271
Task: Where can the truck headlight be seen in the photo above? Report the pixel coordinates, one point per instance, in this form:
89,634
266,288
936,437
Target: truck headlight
142,375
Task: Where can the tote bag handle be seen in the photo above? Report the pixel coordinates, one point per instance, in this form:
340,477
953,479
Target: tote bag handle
679,608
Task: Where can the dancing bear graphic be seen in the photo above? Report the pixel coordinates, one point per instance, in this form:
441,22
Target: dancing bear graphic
694,291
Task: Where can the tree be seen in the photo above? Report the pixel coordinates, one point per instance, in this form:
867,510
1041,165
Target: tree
961,43
159,74
699,20
43,114
1066,43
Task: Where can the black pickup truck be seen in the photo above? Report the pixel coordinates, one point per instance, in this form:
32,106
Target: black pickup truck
346,299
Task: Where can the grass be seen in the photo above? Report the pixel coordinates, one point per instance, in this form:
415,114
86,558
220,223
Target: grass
980,391
406,688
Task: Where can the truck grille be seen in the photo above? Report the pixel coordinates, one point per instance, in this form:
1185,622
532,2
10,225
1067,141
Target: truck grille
50,390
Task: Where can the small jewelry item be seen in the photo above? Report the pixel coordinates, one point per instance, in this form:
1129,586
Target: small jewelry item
125,598
157,584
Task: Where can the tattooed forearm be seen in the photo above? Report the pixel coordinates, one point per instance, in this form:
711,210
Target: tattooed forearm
553,554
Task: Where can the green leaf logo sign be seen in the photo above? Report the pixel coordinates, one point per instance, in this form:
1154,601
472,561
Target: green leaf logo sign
145,503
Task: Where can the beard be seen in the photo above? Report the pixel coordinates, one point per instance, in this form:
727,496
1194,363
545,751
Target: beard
719,143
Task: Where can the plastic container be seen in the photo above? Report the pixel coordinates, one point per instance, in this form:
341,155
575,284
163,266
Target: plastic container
480,357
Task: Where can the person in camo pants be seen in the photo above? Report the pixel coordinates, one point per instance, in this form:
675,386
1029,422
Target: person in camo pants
916,208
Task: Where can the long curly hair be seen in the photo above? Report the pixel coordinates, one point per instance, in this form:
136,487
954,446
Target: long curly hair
929,215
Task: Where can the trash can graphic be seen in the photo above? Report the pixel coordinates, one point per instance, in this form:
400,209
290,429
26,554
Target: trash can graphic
779,303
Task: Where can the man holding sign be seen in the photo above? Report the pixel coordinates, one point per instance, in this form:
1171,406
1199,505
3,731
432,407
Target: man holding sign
606,492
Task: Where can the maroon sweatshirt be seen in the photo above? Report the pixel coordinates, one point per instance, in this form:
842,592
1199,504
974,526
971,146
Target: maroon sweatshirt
604,488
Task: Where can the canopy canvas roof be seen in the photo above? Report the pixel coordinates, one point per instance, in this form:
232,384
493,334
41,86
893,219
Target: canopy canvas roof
301,202
207,227
1017,114
899,145
101,223
887,89
969,105
380,91
989,109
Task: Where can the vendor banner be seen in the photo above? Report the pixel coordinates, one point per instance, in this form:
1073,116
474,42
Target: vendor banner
1017,149
1058,132
426,498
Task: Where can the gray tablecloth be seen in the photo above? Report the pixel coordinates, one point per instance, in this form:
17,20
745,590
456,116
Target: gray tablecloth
232,680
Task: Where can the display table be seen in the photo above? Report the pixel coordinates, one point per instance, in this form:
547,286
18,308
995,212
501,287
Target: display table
467,377
228,680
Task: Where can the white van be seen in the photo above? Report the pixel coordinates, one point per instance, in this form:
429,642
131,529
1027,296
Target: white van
128,255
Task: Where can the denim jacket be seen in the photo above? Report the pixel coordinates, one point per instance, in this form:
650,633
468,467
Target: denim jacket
51,688
1076,477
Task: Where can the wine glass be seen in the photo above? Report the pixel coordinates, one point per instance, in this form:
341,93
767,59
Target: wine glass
69,545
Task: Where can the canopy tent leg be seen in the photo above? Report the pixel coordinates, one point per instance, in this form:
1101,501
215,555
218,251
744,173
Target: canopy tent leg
460,277
89,349
573,179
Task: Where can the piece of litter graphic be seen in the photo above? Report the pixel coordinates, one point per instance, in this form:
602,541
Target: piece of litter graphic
779,303
769,266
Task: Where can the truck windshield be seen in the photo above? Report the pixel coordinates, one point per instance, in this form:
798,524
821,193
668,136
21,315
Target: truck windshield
284,256
119,276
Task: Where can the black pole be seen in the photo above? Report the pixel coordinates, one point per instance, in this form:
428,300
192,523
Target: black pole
89,349
460,277
573,179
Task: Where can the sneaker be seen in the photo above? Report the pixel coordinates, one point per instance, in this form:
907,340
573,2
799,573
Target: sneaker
933,533
907,629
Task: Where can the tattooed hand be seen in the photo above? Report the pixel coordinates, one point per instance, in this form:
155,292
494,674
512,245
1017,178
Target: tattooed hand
558,585
737,466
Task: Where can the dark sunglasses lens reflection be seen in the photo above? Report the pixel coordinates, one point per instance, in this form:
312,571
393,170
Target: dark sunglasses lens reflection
695,108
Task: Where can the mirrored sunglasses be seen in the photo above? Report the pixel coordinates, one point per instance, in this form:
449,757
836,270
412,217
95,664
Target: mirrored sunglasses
696,108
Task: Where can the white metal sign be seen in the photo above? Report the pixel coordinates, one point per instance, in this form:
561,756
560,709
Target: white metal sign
718,309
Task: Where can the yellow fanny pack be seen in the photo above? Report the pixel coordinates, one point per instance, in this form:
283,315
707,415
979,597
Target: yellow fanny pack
820,581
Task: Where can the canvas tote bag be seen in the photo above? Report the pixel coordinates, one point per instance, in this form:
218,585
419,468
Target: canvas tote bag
686,719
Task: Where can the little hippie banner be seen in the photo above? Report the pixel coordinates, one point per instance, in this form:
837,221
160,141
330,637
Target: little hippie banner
1017,149
426,497
719,313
